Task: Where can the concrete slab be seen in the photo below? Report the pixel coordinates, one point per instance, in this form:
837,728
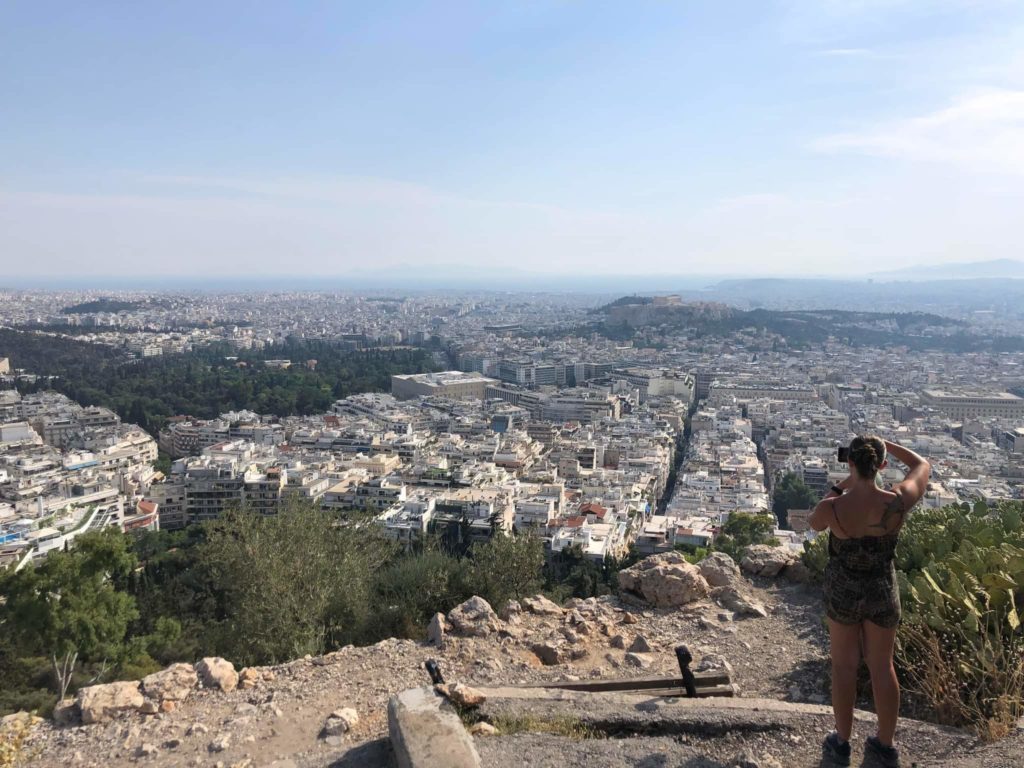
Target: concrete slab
426,732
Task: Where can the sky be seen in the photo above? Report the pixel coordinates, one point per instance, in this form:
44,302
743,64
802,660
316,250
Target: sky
259,139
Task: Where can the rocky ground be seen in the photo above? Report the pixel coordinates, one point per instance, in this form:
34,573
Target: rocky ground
331,710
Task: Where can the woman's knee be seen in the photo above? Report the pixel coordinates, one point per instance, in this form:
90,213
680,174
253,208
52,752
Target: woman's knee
845,665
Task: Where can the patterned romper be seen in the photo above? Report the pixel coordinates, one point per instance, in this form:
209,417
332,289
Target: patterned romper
860,580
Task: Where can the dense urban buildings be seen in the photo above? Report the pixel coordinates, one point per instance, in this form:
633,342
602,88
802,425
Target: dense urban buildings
636,429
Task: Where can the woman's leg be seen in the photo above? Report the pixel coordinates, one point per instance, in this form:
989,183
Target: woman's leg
878,648
845,651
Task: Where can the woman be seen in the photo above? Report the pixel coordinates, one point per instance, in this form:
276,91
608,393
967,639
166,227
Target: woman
862,599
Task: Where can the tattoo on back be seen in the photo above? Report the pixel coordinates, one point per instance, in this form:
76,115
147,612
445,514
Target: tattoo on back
894,508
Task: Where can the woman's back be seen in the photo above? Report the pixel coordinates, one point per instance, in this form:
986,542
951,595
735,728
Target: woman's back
867,512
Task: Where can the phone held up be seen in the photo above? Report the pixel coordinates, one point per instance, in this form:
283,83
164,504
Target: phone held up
844,453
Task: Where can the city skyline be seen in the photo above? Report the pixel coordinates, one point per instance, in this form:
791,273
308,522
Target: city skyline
550,139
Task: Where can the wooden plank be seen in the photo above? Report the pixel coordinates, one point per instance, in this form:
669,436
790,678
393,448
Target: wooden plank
701,679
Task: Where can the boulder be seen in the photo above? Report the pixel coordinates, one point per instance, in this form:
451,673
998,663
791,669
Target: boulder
249,677
102,702
637,660
713,662
221,743
461,694
216,672
172,684
340,722
718,569
65,712
541,606
665,580
640,645
483,729
435,630
740,604
764,560
618,641
510,610
473,618
549,653
750,759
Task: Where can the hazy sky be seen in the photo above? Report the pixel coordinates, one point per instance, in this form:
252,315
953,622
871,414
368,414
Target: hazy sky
171,138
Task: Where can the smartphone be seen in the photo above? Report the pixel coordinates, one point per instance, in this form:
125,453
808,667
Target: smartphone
844,454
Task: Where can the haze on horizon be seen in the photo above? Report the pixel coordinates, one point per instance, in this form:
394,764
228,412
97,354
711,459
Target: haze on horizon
786,137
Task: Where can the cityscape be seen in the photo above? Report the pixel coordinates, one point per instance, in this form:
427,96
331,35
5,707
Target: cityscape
512,384
526,423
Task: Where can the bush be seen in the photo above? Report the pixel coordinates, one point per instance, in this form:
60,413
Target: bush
961,645
742,530
14,742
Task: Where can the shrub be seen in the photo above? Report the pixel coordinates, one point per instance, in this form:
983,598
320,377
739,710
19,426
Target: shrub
961,646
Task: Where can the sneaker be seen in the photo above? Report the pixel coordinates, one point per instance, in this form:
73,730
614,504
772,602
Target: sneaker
888,757
836,750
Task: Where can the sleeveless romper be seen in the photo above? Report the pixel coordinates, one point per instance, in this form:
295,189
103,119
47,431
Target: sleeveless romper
860,580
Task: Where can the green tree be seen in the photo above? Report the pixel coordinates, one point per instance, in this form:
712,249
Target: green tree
71,608
292,583
506,567
791,492
743,529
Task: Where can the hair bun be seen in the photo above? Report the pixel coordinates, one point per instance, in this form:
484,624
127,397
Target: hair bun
866,451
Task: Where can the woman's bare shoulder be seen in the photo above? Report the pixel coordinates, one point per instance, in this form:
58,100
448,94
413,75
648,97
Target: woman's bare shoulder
893,510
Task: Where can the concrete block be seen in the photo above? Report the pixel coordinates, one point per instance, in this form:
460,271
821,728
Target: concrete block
426,732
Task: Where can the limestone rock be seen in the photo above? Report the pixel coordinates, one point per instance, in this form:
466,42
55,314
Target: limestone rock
435,630
629,618
65,712
340,722
101,702
764,560
541,606
548,653
718,569
216,672
220,743
511,609
736,601
713,662
147,750
249,677
638,660
473,618
666,580
750,759
461,694
640,645
172,684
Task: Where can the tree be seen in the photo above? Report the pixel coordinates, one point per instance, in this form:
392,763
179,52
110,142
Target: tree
71,608
506,567
292,583
791,492
742,530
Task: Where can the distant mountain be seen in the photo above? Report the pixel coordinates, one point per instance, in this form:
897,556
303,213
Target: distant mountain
996,268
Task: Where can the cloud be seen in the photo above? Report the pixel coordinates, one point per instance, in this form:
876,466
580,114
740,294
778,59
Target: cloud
982,132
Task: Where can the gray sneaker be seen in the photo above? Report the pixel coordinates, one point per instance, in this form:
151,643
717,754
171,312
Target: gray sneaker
835,750
879,754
